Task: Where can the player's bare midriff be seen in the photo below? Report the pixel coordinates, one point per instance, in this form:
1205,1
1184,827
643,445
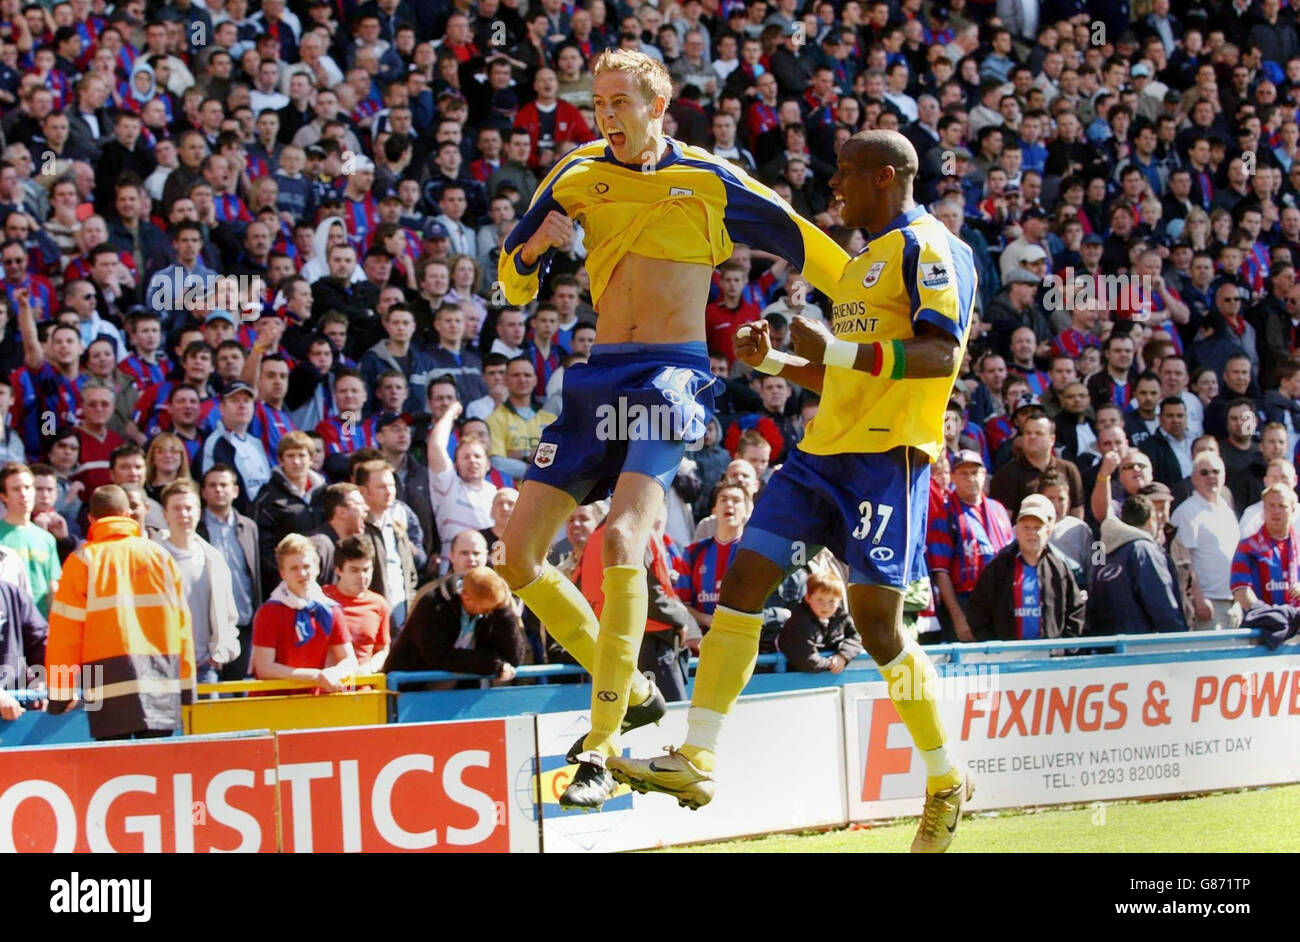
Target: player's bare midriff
653,300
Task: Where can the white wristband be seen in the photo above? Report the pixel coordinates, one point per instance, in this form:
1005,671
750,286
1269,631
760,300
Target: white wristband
841,353
770,365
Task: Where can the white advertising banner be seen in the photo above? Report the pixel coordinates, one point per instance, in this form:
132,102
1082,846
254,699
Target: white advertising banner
782,759
1063,736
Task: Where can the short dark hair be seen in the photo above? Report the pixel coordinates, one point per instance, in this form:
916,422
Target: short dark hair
220,468
352,549
335,496
130,449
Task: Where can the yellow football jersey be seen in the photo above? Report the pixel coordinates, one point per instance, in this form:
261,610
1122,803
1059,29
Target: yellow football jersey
912,272
690,207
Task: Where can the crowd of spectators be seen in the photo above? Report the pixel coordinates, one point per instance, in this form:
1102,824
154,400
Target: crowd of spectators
248,268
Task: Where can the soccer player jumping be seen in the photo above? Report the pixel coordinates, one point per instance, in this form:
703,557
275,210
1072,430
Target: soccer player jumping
657,217
858,483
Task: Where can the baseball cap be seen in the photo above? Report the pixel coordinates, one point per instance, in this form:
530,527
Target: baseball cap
939,12
389,418
435,230
363,165
967,456
1173,98
1140,71
238,386
962,153
1034,212
1036,505
1027,403
315,151
1033,253
220,315
1093,239
1156,491
1021,276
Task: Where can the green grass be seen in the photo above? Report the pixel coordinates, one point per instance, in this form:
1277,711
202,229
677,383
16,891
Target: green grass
1255,820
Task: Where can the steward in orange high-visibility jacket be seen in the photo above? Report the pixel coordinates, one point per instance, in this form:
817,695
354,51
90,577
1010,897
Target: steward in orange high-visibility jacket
120,629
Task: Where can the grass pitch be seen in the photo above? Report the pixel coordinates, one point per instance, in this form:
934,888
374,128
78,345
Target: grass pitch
1251,820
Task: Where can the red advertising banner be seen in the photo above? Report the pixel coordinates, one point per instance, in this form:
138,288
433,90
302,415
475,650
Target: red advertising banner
410,787
170,797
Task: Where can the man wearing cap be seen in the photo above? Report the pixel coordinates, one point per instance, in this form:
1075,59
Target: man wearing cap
1134,591
962,539
1013,308
231,443
1031,243
1027,591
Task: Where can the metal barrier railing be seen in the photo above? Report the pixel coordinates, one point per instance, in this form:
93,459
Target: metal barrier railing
1119,644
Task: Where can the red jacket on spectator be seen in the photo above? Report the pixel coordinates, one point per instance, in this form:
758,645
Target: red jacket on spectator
720,323
569,126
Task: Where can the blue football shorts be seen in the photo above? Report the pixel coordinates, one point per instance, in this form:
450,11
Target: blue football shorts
870,510
630,407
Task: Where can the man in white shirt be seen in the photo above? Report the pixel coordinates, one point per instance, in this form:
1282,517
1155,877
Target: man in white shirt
460,492
1208,529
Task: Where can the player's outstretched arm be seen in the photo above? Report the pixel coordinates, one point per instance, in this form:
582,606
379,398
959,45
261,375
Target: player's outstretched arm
758,217
753,347
931,354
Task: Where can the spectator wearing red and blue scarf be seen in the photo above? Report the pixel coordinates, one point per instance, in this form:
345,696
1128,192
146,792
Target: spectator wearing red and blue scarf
1265,566
300,632
962,538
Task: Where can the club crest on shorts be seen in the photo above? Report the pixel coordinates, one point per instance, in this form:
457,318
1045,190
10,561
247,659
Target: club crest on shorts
873,274
934,274
545,455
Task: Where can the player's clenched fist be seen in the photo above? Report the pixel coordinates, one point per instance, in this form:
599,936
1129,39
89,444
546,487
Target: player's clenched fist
752,343
809,339
556,231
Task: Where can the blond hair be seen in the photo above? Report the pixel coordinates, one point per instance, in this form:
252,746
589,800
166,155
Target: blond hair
651,75
295,544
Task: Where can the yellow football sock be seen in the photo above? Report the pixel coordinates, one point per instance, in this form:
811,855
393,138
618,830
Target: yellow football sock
727,656
566,613
564,610
622,625
913,683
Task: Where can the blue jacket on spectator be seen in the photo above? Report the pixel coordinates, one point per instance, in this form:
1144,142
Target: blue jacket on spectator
1133,591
